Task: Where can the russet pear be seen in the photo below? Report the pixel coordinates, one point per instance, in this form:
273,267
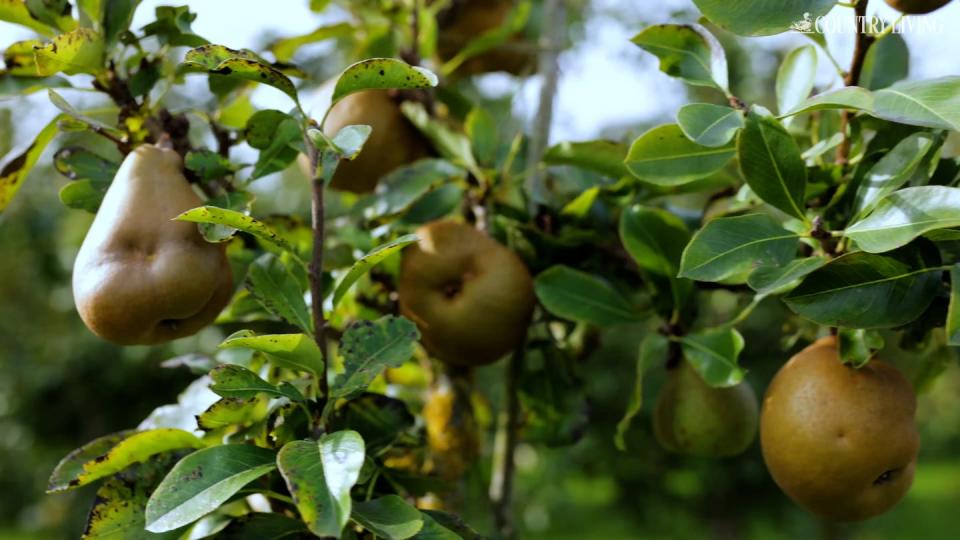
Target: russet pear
471,297
917,7
394,141
840,441
468,19
140,278
694,418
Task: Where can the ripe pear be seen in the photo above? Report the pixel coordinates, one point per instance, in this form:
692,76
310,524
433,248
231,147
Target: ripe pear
917,7
140,278
471,297
394,141
840,441
692,417
469,19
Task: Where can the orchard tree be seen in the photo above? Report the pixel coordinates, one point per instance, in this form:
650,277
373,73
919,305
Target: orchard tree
343,401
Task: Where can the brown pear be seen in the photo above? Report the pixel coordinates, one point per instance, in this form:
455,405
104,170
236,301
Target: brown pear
394,141
468,19
917,7
840,441
694,418
471,297
140,278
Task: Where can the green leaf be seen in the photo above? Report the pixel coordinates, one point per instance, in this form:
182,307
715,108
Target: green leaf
236,201
368,261
777,279
687,52
79,51
113,453
298,352
204,480
261,128
53,13
770,162
761,17
381,74
858,346
93,124
233,381
863,290
933,103
653,350
238,64
664,156
78,164
320,476
709,125
172,27
389,517
654,238
369,347
953,313
432,530
795,77
276,288
404,186
578,296
481,128
450,144
850,97
893,170
284,49
729,249
713,354
379,419
349,140
603,157
237,220
16,12
281,152
263,526
905,215
580,206
16,170
208,165
117,16
118,510
83,195
887,62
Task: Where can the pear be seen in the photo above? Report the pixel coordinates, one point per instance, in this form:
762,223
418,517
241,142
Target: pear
840,441
394,141
469,19
471,297
692,417
917,7
140,278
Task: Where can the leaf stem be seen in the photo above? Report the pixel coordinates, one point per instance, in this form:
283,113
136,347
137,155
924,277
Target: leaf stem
745,312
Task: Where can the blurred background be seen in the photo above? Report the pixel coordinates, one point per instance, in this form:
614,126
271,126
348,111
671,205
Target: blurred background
61,387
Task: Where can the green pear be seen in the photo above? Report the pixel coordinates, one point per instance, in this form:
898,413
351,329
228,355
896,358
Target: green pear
471,297
692,417
140,278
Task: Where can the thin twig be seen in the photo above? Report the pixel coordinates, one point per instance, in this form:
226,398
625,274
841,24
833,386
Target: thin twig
501,486
862,47
316,276
554,18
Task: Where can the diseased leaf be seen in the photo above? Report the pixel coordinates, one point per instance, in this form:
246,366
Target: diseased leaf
291,351
381,73
770,162
79,51
233,381
15,171
276,288
238,64
729,249
369,347
233,412
578,296
237,220
204,480
368,261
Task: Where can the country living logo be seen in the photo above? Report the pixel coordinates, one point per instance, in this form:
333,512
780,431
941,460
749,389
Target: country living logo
870,25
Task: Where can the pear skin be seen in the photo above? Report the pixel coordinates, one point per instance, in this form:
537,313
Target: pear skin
917,7
394,141
840,441
140,278
471,297
694,418
470,19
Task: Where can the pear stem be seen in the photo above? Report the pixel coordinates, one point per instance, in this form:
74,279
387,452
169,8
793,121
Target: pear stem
316,277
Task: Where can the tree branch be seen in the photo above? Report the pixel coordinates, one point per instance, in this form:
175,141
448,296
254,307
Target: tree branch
862,47
316,277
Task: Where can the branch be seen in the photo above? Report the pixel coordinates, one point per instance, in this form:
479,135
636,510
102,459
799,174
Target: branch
316,276
501,485
554,19
862,47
